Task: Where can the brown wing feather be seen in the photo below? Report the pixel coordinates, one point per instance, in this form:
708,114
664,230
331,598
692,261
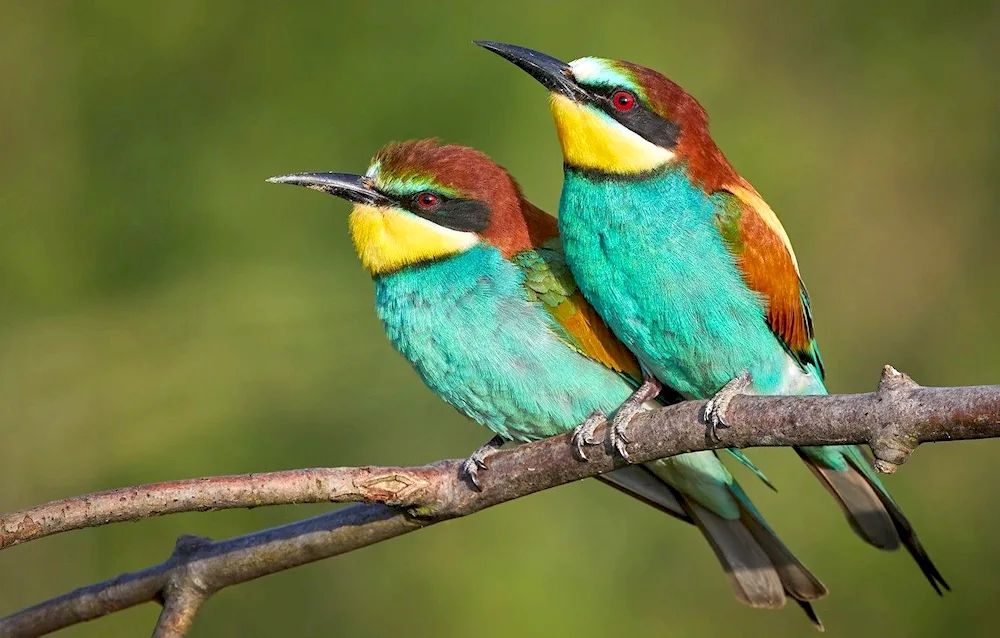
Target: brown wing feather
769,268
593,336
577,317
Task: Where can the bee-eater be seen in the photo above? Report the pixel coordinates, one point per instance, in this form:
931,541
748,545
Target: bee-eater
472,288
688,265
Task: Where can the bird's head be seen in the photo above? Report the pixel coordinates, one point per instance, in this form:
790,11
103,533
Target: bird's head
422,201
614,117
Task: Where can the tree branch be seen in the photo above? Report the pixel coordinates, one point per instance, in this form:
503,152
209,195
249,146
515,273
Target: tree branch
179,608
894,420
317,485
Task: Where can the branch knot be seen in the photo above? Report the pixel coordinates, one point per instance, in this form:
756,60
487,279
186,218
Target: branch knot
891,445
396,488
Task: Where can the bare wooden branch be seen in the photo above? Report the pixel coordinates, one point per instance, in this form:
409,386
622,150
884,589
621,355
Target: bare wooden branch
318,485
894,420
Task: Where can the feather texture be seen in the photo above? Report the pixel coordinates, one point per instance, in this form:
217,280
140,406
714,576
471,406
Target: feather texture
499,330
693,272
694,487
548,281
764,257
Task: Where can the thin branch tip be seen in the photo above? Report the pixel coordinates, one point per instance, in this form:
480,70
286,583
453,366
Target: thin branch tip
892,380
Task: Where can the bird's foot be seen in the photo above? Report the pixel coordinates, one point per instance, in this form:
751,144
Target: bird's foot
633,405
477,461
583,434
716,407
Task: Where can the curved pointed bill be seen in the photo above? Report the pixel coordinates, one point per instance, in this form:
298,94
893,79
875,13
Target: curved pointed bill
353,188
555,75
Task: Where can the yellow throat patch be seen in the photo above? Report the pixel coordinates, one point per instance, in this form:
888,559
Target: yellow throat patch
592,140
388,239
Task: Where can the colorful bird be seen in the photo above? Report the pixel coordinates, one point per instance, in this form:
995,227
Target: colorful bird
472,288
689,266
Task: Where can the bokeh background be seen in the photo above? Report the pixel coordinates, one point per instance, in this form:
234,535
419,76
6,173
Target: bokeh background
164,313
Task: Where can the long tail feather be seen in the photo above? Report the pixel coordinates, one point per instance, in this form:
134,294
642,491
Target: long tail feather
738,454
640,483
760,568
751,573
859,501
870,510
811,613
906,533
797,580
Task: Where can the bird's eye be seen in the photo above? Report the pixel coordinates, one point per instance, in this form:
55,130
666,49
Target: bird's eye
427,200
623,100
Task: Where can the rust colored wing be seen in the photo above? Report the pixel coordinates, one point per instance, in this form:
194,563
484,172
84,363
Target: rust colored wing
547,280
753,233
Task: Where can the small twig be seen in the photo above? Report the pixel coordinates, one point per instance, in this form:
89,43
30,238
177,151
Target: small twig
894,420
320,485
178,614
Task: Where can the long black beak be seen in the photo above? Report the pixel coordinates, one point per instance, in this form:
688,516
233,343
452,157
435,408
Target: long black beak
353,188
555,75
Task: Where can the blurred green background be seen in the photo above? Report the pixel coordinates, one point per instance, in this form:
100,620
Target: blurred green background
165,313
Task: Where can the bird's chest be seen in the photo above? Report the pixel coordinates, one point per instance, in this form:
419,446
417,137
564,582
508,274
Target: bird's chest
448,332
479,344
650,259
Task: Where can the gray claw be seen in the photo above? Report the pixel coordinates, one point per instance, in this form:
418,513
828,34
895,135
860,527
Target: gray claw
583,435
718,405
477,461
619,438
632,406
470,470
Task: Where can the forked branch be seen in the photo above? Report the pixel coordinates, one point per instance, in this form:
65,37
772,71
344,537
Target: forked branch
893,420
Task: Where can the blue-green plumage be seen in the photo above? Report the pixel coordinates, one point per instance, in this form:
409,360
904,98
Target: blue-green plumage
646,252
466,325
494,324
469,328
687,263
649,255
652,256
479,331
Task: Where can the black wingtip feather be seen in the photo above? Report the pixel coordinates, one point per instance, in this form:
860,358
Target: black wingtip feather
908,537
813,616
917,551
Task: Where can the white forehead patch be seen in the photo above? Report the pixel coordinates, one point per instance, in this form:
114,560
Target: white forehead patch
598,71
587,68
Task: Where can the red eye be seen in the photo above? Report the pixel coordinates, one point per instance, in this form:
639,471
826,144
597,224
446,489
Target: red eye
427,200
623,100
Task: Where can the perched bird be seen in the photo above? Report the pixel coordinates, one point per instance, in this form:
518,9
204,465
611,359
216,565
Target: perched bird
472,288
689,266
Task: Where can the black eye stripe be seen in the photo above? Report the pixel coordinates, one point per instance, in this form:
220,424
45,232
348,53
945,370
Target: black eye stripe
465,215
639,119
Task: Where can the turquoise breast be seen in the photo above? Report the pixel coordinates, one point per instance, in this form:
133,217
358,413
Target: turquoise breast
467,327
647,254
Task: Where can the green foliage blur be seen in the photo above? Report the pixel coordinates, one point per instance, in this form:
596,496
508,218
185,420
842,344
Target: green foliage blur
165,313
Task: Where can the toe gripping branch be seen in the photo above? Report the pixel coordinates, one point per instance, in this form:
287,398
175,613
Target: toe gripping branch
890,445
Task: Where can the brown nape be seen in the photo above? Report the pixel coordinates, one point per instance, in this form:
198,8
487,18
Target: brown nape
706,163
515,224
540,225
